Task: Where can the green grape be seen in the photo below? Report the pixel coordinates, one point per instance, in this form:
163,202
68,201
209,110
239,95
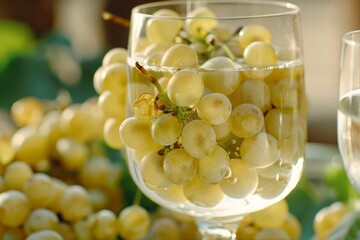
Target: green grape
136,134
115,55
41,219
155,29
202,194
285,93
328,217
82,230
292,226
261,150
97,81
152,172
179,167
280,123
220,75
201,21
213,167
58,190
223,130
246,120
39,190
173,193
30,145
214,108
164,228
7,152
198,138
242,181
14,234
27,111
260,54
51,128
104,225
14,208
76,121
281,171
272,233
72,153
166,129
269,188
75,203
16,174
271,217
185,88
253,33
98,199
255,92
111,133
113,77
133,222
94,172
45,235
180,56
112,105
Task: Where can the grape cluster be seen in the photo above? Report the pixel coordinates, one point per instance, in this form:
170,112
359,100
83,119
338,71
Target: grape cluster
212,111
274,222
56,180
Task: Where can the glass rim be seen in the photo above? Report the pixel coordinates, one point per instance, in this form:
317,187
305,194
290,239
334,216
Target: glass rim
289,8
352,38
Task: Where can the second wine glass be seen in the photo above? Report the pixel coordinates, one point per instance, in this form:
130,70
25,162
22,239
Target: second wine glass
348,117
217,108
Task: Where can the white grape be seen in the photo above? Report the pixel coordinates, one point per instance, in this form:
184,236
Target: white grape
201,21
16,174
260,54
246,120
271,217
203,194
41,219
285,93
280,123
180,56
115,55
136,134
39,190
198,138
261,150
113,77
75,203
104,225
155,26
112,105
223,130
220,75
255,92
272,233
133,222
111,133
166,129
214,108
152,171
253,33
179,166
165,228
45,235
185,88
213,167
14,208
243,180
173,193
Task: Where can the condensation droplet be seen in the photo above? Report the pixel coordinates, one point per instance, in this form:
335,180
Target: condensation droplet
233,141
286,165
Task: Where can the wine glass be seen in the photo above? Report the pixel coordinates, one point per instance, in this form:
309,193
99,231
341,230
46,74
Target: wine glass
216,125
348,115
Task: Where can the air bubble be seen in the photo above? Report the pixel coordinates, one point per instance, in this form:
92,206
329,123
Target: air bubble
232,180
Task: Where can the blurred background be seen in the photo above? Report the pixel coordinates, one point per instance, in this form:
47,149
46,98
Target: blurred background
45,45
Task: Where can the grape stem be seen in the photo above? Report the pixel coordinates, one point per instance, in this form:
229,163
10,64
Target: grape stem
150,77
108,16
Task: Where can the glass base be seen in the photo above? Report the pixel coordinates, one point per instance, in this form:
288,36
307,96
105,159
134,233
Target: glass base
211,230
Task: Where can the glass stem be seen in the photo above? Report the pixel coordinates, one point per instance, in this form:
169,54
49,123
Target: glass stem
211,230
